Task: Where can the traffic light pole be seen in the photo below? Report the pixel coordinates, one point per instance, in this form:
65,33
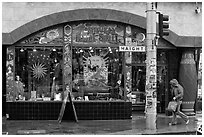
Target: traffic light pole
151,67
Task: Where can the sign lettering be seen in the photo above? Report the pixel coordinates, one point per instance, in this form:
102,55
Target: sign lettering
132,48
98,33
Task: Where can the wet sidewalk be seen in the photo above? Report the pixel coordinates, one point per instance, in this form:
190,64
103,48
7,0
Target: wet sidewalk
134,126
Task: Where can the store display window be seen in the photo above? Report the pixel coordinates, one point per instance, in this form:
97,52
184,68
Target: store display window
97,73
38,74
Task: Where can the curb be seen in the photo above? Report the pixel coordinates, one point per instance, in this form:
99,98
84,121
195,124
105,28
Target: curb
174,133
28,132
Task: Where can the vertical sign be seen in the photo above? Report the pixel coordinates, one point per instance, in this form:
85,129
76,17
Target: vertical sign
10,78
67,72
128,60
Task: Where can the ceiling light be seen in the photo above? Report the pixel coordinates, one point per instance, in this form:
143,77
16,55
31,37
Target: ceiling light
81,50
21,50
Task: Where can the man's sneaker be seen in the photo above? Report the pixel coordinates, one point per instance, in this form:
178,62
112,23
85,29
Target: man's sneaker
187,122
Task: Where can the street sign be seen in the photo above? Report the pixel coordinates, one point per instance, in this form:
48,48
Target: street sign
132,48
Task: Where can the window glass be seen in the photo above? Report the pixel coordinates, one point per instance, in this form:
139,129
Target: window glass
161,57
138,57
138,84
10,74
38,74
139,76
97,73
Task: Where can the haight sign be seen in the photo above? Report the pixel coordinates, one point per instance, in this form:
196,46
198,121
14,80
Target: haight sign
132,48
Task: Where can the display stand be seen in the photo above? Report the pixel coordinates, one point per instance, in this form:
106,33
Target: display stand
68,96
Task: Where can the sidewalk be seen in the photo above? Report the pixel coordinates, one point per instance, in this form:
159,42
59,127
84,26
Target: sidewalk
134,126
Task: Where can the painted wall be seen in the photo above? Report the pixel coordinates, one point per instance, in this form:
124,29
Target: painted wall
183,19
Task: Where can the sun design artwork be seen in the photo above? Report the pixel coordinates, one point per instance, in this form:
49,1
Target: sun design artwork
95,68
39,70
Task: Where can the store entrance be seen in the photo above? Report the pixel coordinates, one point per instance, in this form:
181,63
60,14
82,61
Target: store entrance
138,87
162,88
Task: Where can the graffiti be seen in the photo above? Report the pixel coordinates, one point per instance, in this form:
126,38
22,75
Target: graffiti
151,85
151,94
152,70
151,79
149,103
154,94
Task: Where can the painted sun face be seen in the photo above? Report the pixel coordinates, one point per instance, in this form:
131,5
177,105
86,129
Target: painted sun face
39,70
95,61
95,67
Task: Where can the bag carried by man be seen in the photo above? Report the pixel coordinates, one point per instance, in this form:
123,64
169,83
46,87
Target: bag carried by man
172,106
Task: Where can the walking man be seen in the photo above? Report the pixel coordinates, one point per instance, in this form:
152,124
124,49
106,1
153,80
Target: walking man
177,92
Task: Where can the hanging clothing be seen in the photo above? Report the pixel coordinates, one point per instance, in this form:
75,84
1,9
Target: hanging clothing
19,88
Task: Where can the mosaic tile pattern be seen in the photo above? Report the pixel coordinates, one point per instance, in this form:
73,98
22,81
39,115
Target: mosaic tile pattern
85,110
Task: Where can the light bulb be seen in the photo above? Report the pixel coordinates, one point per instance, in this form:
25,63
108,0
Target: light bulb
22,50
81,50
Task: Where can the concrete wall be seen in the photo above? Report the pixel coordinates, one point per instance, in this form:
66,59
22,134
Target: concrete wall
183,19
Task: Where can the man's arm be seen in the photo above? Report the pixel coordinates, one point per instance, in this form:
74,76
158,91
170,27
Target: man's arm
180,92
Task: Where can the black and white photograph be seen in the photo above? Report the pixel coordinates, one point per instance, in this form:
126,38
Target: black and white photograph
101,67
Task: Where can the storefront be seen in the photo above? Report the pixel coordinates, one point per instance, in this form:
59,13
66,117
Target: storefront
91,59
85,57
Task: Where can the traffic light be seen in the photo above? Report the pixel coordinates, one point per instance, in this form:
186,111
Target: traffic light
163,25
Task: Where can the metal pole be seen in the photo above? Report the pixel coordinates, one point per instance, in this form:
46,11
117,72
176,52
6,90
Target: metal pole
151,70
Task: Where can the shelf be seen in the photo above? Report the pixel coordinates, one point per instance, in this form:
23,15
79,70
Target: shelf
138,104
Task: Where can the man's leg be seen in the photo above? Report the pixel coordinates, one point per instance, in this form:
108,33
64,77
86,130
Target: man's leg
182,115
174,119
